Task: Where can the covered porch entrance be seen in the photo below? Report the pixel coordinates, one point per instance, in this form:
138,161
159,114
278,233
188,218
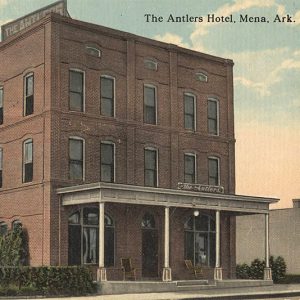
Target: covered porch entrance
156,228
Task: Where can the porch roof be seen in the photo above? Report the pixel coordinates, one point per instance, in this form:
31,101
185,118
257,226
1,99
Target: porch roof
132,194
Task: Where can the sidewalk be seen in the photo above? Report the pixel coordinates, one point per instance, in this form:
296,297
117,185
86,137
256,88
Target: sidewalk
280,290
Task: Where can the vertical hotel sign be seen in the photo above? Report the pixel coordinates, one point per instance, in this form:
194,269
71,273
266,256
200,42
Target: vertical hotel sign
11,28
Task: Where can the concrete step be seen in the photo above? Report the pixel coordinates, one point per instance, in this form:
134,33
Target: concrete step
196,287
191,282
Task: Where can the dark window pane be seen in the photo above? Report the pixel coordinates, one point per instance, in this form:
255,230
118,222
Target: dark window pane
74,257
1,115
107,87
212,117
28,176
76,170
212,247
1,106
189,169
74,218
201,248
90,245
106,173
189,224
189,104
29,105
212,225
213,171
189,122
212,109
149,96
1,179
1,159
150,178
149,105
107,153
109,248
29,85
150,113
189,112
90,216
76,82
107,108
201,223
76,102
189,246
150,159
213,126
148,221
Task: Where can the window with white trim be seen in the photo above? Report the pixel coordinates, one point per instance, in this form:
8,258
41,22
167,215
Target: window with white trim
213,171
1,167
150,104
76,158
28,94
213,116
76,90
93,50
201,77
189,111
107,87
107,153
150,64
1,104
28,160
190,168
150,169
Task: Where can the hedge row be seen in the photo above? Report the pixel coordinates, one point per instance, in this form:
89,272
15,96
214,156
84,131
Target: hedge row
256,269
75,280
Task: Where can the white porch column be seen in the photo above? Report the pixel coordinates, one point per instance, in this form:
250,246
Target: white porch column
167,274
267,270
101,273
218,269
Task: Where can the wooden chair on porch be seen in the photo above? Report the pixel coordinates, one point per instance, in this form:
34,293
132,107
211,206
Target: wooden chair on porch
196,270
128,270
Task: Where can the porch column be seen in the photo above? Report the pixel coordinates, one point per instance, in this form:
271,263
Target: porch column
101,272
267,270
218,269
167,274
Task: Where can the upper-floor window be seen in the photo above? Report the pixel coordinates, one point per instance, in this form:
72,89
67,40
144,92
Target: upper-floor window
150,64
213,116
201,77
150,167
150,104
28,160
93,50
107,86
76,158
1,166
213,171
28,94
107,161
189,168
189,112
1,105
76,78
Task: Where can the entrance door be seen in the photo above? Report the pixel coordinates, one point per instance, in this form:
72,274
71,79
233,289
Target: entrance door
149,247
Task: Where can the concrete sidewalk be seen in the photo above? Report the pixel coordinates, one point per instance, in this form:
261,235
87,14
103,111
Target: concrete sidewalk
279,290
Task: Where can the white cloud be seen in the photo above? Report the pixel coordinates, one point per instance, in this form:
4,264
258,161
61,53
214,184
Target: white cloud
171,39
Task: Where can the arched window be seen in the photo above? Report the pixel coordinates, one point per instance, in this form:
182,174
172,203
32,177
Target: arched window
200,240
84,237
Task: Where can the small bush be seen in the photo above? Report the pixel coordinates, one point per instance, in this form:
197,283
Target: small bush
75,280
242,271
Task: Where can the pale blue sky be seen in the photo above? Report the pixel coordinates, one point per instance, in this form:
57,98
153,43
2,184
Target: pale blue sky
267,72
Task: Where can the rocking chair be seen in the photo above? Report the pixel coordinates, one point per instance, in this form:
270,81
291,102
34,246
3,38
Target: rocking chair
128,270
196,270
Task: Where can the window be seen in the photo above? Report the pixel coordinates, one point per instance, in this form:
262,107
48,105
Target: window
189,112
1,167
149,104
201,77
1,105
213,117
150,167
107,161
107,96
189,168
148,221
213,171
84,238
200,240
28,94
150,64
3,228
28,160
76,158
76,90
93,51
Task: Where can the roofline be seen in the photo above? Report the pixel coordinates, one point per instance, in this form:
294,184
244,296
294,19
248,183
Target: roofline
118,34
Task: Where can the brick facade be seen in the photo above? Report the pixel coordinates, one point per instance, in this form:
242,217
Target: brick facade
49,49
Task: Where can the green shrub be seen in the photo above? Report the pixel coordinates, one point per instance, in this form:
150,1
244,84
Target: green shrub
243,271
75,280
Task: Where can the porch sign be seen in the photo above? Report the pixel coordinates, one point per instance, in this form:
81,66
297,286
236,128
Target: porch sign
195,187
11,28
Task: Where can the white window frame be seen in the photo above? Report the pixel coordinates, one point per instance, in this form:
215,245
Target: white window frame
83,155
218,116
88,47
195,109
114,149
83,92
24,92
219,174
199,74
155,96
150,61
27,141
114,99
157,164
195,163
